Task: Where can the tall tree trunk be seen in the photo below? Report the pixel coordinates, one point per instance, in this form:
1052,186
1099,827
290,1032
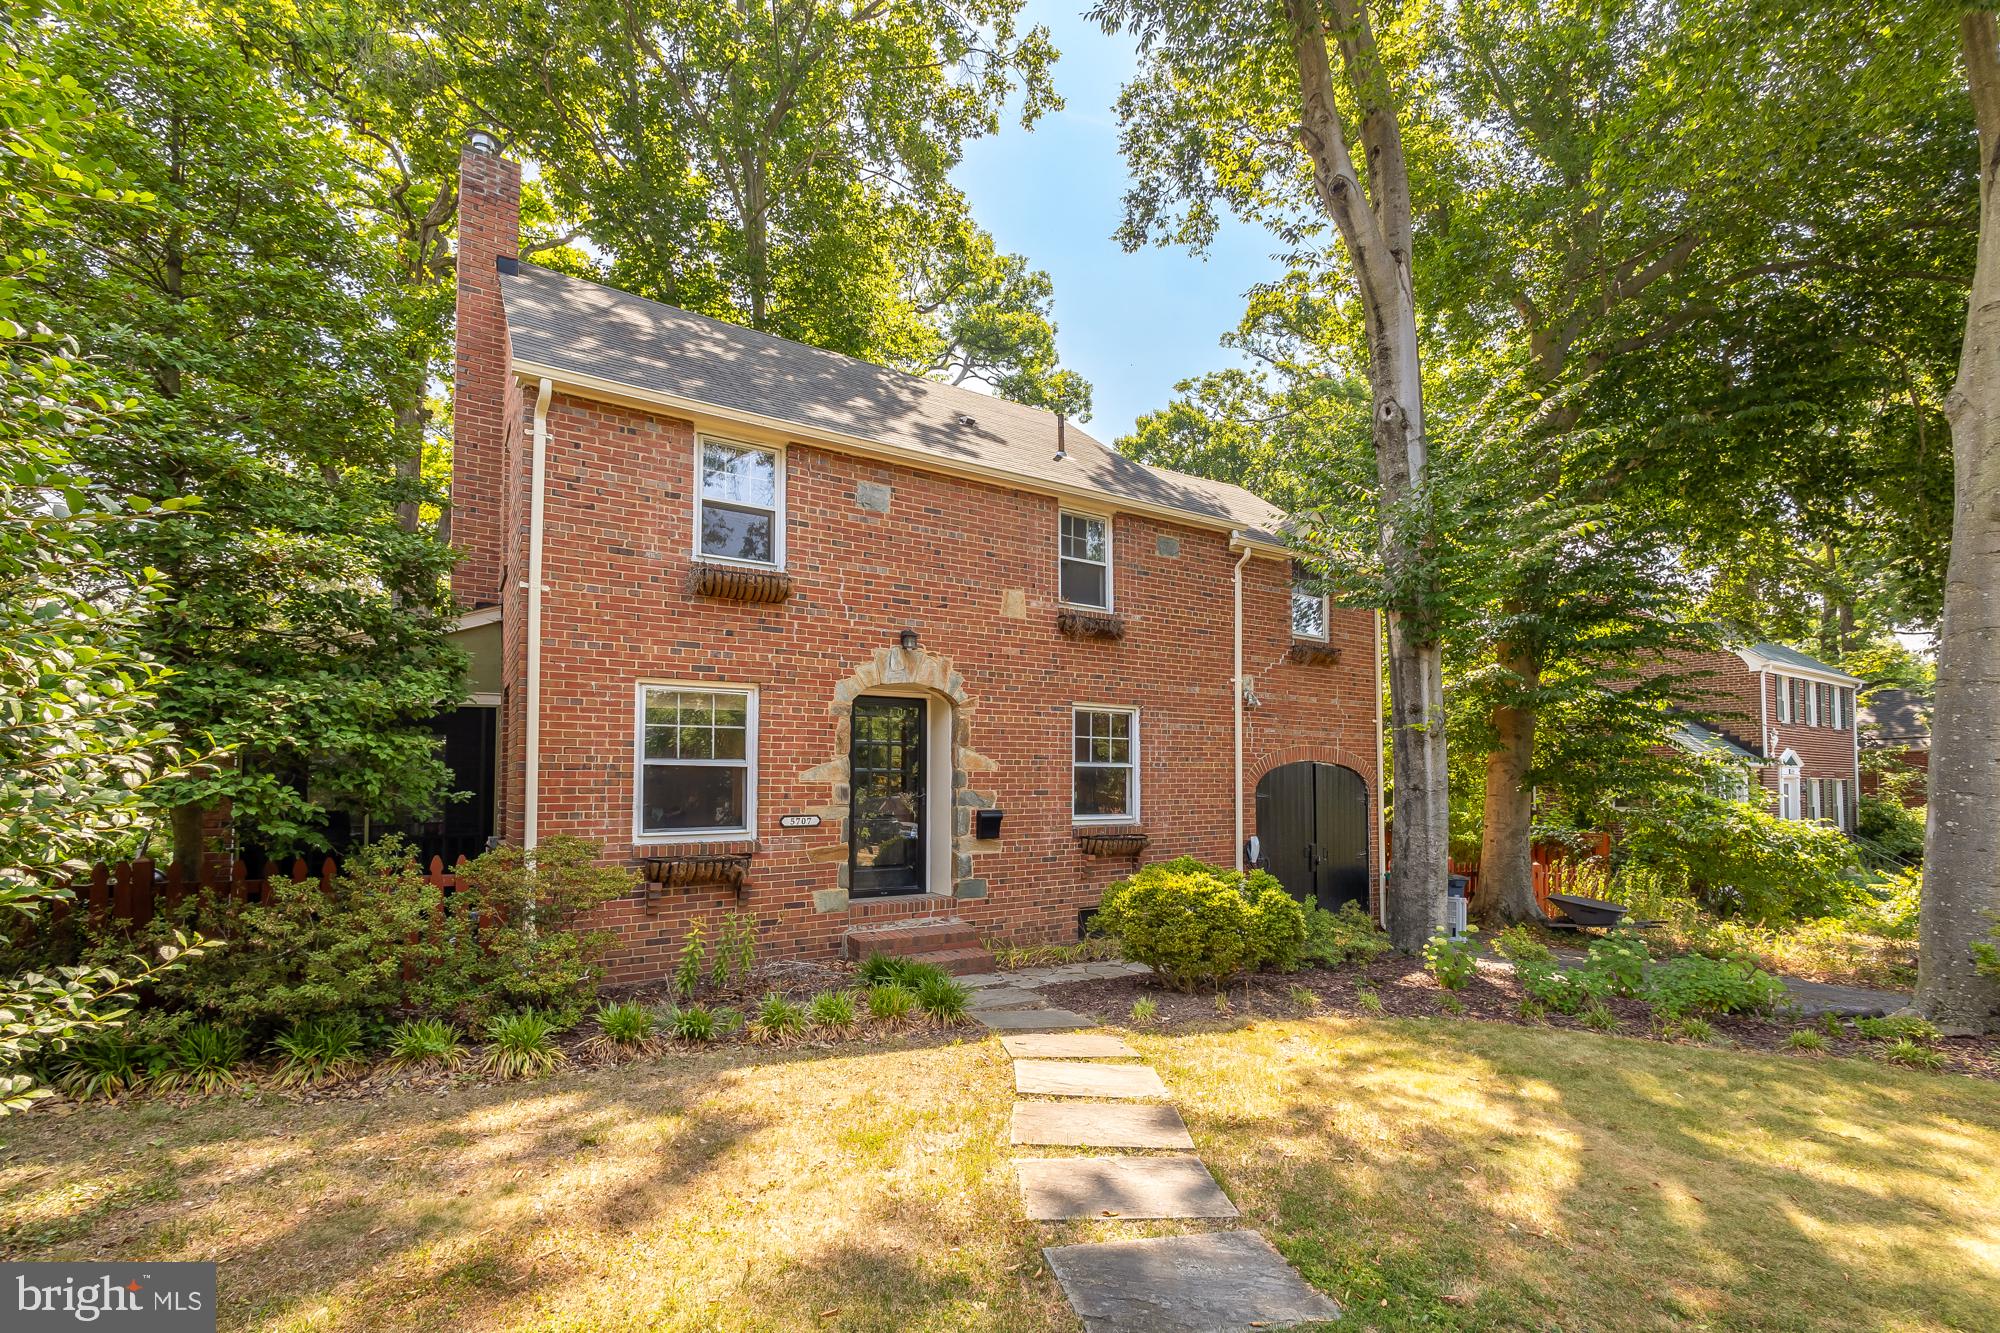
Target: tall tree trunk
1962,840
1506,848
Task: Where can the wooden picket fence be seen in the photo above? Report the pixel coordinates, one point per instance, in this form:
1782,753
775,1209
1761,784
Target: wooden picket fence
1555,867
134,891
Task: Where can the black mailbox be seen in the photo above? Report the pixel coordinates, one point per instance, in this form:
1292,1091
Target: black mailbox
986,824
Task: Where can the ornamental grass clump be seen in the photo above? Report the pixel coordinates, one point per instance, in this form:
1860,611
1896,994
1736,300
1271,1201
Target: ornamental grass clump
778,1019
943,1000
624,1027
416,1042
693,1022
833,1011
109,1066
521,1045
318,1050
891,1002
203,1059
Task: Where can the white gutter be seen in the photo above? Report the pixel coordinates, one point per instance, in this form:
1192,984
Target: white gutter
1236,694
1381,817
531,801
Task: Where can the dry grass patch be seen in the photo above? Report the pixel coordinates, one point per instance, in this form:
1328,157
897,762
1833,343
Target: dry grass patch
748,1190
1439,1174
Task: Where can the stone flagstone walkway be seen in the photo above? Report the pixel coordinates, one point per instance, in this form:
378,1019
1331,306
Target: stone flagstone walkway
1210,1282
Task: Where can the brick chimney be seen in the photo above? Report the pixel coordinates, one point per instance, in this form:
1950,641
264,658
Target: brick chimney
489,229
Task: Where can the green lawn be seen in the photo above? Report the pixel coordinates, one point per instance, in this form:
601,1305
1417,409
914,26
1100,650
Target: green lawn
1429,1174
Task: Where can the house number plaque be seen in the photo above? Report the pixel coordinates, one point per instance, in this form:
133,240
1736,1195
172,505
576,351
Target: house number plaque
798,821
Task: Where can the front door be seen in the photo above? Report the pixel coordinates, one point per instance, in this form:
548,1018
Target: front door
1313,822
886,778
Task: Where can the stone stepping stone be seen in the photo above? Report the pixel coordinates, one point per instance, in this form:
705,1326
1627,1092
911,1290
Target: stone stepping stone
1033,1020
1100,1125
977,980
1003,997
1216,1282
1068,1046
1056,1189
1078,1078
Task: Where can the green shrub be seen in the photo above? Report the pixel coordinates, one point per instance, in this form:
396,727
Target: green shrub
1347,936
1737,860
833,1010
1888,834
522,1045
424,1041
1598,1016
1453,960
891,1001
204,1058
1552,987
694,953
1193,923
943,998
108,1065
778,1019
694,1022
314,1050
1695,984
1898,1027
1518,943
735,950
1618,965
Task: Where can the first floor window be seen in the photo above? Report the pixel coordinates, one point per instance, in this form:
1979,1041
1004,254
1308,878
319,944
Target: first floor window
739,514
1086,560
1105,768
697,760
1308,615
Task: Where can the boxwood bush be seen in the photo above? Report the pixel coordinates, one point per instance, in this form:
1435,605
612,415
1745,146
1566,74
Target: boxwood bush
1194,923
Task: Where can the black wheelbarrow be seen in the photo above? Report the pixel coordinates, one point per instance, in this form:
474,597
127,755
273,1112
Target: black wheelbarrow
1582,913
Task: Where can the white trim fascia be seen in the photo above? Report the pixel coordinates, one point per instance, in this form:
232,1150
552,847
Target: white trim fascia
603,390
1756,661
642,838
485,615
482,699
1131,816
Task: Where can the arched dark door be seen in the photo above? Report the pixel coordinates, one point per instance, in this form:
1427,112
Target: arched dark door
1313,822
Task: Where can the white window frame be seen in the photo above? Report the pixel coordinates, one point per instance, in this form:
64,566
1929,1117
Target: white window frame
778,524
640,834
1325,616
1131,815
1110,586
1784,698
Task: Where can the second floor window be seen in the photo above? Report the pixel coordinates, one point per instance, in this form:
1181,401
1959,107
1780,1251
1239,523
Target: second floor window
1086,560
1308,615
739,512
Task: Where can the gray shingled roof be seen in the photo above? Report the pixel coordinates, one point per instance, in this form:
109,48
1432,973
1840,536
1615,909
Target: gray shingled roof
1785,656
565,323
1703,740
1896,717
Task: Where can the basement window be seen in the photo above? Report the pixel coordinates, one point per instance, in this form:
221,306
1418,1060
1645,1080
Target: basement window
697,762
740,503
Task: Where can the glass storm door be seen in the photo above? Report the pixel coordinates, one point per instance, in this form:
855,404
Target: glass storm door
886,777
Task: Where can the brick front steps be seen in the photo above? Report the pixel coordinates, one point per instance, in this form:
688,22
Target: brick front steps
947,942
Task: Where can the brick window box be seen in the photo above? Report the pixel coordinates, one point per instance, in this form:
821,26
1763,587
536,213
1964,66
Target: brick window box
738,583
1090,625
696,865
1124,842
1308,653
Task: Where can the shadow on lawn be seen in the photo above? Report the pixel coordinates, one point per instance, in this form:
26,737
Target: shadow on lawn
661,1183
1470,1178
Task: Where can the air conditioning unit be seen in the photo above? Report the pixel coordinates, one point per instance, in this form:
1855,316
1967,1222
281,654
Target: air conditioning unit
1454,917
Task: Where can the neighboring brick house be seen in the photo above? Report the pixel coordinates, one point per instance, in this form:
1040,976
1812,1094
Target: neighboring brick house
886,662
1783,718
1896,725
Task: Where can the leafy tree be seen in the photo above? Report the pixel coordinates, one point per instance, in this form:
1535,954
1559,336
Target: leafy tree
785,165
1961,899
1239,104
254,323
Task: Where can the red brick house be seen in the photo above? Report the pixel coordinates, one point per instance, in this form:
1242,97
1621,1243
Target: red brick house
881,660
1783,719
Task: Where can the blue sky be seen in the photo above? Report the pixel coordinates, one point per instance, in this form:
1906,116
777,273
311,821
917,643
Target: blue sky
1130,324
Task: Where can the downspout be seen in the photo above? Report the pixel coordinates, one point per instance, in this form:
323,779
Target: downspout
1381,817
1236,694
531,802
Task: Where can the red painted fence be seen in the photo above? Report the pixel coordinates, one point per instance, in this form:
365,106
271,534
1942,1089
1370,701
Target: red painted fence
1554,865
134,890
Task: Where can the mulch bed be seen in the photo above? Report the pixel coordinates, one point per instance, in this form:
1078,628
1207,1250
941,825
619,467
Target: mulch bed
1405,990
